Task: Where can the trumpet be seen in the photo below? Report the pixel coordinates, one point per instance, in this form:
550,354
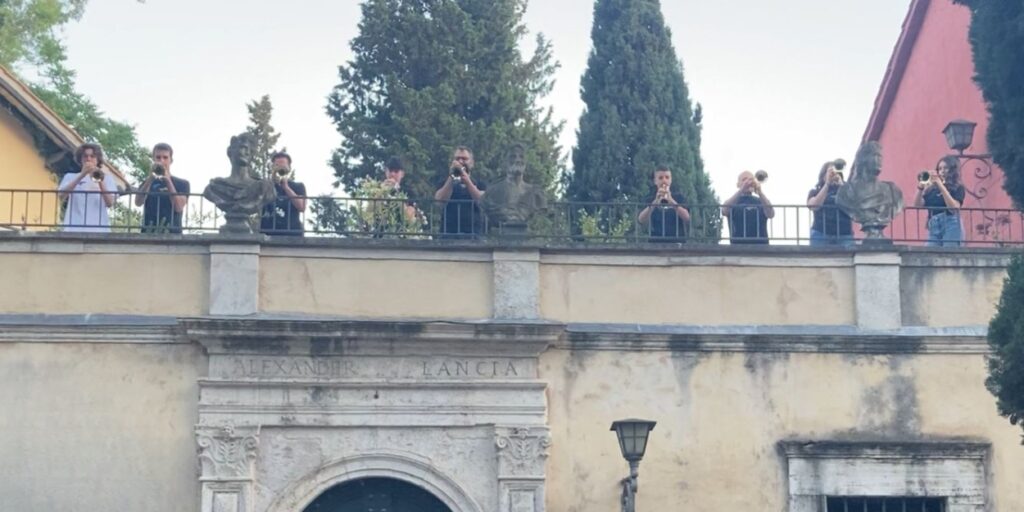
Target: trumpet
761,176
281,173
98,175
924,177
158,170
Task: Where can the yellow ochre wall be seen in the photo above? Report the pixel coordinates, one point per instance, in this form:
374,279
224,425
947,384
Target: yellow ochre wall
22,168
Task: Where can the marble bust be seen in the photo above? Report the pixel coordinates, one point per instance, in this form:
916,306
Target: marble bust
239,196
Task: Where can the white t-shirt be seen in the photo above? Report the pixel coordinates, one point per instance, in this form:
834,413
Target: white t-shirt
86,211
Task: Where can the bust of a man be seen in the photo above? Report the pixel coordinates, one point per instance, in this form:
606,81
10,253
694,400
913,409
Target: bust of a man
511,202
239,196
870,202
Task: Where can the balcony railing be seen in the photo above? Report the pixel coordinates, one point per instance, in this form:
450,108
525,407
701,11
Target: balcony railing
560,222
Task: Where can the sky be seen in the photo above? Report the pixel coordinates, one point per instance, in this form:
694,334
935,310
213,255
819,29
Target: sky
785,84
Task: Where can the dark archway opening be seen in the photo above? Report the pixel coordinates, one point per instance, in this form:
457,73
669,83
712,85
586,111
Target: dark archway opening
376,495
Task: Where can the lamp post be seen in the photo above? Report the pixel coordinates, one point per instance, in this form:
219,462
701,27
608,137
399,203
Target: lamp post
959,135
633,435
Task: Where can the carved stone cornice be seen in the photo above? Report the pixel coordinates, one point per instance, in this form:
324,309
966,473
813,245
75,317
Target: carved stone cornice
226,452
522,451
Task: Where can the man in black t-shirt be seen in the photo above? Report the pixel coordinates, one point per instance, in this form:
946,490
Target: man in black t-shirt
162,196
665,211
460,194
748,211
283,217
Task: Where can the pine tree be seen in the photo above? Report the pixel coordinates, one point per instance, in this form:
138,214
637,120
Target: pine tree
997,36
638,116
429,75
263,133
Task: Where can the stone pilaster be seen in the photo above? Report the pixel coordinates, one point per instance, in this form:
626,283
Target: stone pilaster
517,285
234,279
877,277
226,455
522,452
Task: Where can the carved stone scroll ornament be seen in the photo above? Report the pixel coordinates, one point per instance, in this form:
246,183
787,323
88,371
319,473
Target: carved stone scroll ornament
522,451
226,453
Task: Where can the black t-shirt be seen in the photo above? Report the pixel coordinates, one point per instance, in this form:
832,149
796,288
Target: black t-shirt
158,215
829,219
747,221
281,217
936,204
665,222
461,214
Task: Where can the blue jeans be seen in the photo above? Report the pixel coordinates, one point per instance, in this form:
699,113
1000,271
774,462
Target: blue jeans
819,239
944,230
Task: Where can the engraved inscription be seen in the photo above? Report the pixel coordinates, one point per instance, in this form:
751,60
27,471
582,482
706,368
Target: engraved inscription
292,367
340,368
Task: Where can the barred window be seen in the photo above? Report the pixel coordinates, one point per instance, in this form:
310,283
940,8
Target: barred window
884,504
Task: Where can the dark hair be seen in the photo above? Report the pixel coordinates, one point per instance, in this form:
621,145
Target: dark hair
395,164
953,174
463,148
281,154
163,146
662,168
96,150
822,172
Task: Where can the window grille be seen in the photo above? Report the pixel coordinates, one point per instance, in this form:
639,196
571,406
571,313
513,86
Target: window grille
884,504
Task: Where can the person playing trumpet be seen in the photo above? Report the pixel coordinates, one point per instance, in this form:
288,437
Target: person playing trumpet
283,217
942,194
162,196
748,210
831,226
90,192
665,211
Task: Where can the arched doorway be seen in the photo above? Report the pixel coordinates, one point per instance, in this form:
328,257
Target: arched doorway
376,495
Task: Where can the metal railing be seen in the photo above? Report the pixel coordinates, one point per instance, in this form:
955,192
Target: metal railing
560,222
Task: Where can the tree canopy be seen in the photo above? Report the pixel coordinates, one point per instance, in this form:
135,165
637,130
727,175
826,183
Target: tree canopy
260,113
997,36
638,114
430,75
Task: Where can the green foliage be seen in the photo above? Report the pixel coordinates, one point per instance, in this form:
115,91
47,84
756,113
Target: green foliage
638,114
592,228
1006,336
27,27
29,39
260,112
119,140
997,36
429,75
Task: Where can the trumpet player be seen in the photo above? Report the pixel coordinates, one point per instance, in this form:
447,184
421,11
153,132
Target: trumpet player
665,212
942,194
283,217
748,210
831,226
162,196
89,192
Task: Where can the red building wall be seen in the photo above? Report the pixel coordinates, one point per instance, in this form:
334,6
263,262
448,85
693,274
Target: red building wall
929,83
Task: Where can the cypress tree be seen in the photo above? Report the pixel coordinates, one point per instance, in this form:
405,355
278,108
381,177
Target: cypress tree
638,116
260,113
429,75
997,36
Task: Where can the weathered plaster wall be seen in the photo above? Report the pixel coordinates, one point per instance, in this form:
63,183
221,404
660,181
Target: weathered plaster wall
22,168
721,415
376,287
98,427
155,283
698,291
946,297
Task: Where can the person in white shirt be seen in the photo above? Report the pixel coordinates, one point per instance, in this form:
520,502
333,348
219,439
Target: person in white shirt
89,193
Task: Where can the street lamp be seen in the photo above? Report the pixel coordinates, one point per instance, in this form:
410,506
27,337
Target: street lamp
633,435
959,134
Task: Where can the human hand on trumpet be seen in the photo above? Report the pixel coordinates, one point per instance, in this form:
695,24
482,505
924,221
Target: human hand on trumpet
663,196
280,174
927,179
